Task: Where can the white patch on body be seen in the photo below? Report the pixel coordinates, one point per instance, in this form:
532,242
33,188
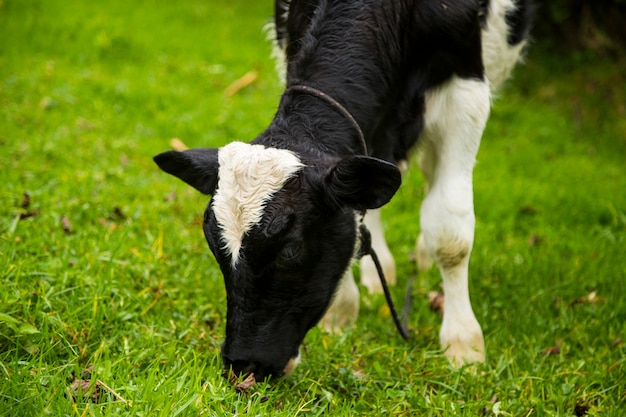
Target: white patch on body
249,175
278,54
499,57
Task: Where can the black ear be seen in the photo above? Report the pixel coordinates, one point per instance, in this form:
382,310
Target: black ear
362,182
197,167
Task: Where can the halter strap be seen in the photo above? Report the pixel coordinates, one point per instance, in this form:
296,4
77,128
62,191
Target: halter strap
367,249
335,105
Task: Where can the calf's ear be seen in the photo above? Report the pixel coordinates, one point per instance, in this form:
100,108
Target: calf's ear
362,182
197,167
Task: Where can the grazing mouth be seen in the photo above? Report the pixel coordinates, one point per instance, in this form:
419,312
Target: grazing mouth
255,374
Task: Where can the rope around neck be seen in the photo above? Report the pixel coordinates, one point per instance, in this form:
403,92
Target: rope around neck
335,105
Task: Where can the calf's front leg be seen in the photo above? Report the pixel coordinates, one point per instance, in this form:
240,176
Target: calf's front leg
455,119
344,307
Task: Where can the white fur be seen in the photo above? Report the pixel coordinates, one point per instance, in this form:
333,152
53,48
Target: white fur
248,177
455,118
278,54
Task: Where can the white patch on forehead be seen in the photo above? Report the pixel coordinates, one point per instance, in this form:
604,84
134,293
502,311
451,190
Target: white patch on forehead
249,175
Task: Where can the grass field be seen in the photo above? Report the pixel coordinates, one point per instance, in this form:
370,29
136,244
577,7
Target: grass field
111,304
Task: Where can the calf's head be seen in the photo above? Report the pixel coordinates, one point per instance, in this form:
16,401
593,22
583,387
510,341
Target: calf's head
283,230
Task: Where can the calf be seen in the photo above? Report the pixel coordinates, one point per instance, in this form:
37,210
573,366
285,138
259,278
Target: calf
367,82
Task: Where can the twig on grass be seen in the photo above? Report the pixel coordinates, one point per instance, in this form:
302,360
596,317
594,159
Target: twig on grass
241,83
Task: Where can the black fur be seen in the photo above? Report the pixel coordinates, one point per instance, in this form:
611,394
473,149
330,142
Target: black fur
377,58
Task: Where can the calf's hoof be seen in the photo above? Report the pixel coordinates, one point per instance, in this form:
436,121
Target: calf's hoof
462,348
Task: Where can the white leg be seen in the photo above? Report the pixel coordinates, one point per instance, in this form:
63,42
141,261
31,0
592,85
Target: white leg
423,259
426,158
455,118
344,308
369,275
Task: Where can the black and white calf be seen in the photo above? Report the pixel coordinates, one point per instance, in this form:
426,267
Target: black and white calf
282,223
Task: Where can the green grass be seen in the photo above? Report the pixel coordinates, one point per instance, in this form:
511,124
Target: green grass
105,275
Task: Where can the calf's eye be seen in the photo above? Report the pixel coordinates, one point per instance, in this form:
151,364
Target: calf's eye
291,251
289,255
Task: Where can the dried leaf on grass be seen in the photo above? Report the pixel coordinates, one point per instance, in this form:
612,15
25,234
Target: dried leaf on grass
85,389
492,401
590,298
113,219
237,383
89,390
47,103
29,213
246,383
25,204
178,145
118,214
66,225
171,197
436,301
384,311
359,374
552,351
535,240
581,410
241,83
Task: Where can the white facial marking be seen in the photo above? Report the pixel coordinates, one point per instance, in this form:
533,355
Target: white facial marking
248,177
